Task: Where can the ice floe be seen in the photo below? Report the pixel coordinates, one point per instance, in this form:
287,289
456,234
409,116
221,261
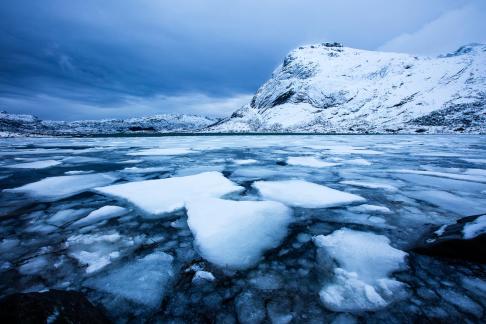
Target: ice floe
366,208
202,275
163,151
101,214
157,197
235,234
450,202
478,161
98,250
75,172
43,164
245,162
362,162
475,228
145,170
142,281
309,161
65,216
299,193
370,185
82,160
466,177
362,279
54,188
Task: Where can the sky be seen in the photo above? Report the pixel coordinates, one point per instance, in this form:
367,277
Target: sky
91,59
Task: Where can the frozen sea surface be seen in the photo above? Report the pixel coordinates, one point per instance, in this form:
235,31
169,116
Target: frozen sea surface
281,229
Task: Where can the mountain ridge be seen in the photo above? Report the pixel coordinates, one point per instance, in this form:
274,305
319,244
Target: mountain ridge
18,125
328,88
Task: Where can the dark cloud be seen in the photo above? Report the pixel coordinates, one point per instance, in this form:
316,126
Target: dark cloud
94,57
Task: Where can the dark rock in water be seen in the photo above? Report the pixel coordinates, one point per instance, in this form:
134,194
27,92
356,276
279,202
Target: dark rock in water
54,306
448,241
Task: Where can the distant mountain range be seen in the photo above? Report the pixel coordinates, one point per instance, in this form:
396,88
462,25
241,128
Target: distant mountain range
18,125
327,88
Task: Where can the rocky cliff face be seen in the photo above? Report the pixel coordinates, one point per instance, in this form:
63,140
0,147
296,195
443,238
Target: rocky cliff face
330,88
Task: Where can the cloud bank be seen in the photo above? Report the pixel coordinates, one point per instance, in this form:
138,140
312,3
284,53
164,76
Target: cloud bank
85,59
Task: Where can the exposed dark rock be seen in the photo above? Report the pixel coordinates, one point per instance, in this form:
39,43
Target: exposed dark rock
463,115
283,98
141,129
450,242
54,306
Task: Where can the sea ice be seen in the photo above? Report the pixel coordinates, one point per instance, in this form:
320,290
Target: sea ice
478,161
362,162
82,160
34,266
145,170
54,188
365,260
163,151
65,216
162,196
343,149
370,185
142,281
466,177
254,173
365,208
450,202
98,250
35,165
299,193
245,162
202,275
74,172
101,214
235,234
309,161
475,228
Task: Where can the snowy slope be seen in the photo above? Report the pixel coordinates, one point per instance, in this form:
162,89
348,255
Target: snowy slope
330,88
18,125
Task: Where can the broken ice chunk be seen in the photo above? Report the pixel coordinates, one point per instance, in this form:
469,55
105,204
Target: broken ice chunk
475,228
163,151
361,282
142,281
35,165
161,196
54,188
370,185
98,250
366,208
202,275
101,214
447,201
235,234
309,161
299,193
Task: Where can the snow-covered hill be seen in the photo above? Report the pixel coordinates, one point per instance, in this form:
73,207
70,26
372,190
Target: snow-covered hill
330,88
19,125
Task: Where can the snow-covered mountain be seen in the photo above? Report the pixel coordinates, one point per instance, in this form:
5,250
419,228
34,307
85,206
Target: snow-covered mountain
331,88
14,124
